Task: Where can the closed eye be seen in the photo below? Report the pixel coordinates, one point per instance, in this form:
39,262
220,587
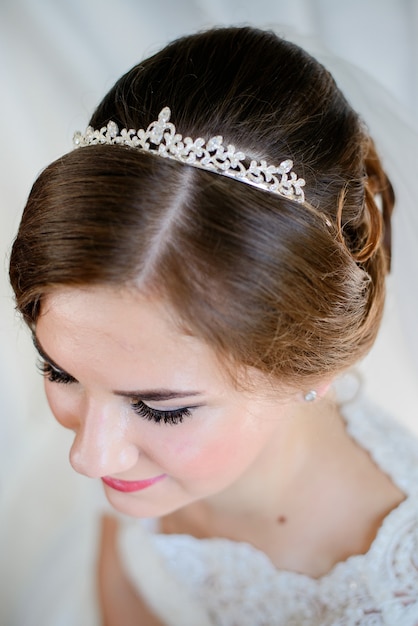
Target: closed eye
172,416
53,374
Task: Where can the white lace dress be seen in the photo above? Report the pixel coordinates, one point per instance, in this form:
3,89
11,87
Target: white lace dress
235,584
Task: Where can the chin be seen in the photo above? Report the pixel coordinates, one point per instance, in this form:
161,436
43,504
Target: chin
142,505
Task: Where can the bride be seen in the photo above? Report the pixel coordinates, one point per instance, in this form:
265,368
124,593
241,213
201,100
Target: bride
198,275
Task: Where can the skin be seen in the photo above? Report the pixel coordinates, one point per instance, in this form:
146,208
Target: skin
227,444
256,464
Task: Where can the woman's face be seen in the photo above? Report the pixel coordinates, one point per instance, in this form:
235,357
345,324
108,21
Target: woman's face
153,413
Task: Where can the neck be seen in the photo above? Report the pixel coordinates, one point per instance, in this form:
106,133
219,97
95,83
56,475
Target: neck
308,503
306,444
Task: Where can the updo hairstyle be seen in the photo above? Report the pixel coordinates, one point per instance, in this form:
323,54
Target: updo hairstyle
295,290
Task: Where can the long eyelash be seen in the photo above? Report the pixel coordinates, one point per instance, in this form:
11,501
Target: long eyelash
167,417
52,374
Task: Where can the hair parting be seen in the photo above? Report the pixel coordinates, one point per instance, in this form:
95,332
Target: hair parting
294,289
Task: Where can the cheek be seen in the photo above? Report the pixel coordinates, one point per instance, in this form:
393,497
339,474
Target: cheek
204,453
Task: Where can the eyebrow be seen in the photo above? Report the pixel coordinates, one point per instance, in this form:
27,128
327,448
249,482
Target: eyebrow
148,395
156,395
43,354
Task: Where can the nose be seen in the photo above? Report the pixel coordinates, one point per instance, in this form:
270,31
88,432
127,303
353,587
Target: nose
102,446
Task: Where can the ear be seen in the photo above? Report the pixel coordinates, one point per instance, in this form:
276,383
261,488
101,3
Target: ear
318,392
323,388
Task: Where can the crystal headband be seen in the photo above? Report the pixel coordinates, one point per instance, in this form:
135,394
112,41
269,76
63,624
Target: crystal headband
161,138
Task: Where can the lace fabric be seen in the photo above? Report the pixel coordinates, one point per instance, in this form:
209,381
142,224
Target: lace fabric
238,585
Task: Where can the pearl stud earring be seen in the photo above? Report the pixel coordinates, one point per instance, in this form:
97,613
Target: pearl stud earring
310,396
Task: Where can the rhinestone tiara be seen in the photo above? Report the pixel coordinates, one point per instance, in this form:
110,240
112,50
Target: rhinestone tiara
162,138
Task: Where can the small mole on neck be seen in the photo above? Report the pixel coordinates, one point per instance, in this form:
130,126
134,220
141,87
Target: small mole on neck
282,519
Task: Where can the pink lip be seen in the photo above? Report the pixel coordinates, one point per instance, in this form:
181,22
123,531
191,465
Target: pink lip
128,486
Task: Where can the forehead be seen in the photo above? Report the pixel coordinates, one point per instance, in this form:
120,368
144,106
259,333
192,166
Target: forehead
114,328
123,337
125,316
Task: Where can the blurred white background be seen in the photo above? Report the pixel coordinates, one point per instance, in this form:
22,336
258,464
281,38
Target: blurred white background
57,59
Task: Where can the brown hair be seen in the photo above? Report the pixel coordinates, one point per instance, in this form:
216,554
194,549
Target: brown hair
295,290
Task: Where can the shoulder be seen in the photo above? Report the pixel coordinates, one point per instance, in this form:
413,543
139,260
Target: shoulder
384,581
392,446
388,573
234,581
